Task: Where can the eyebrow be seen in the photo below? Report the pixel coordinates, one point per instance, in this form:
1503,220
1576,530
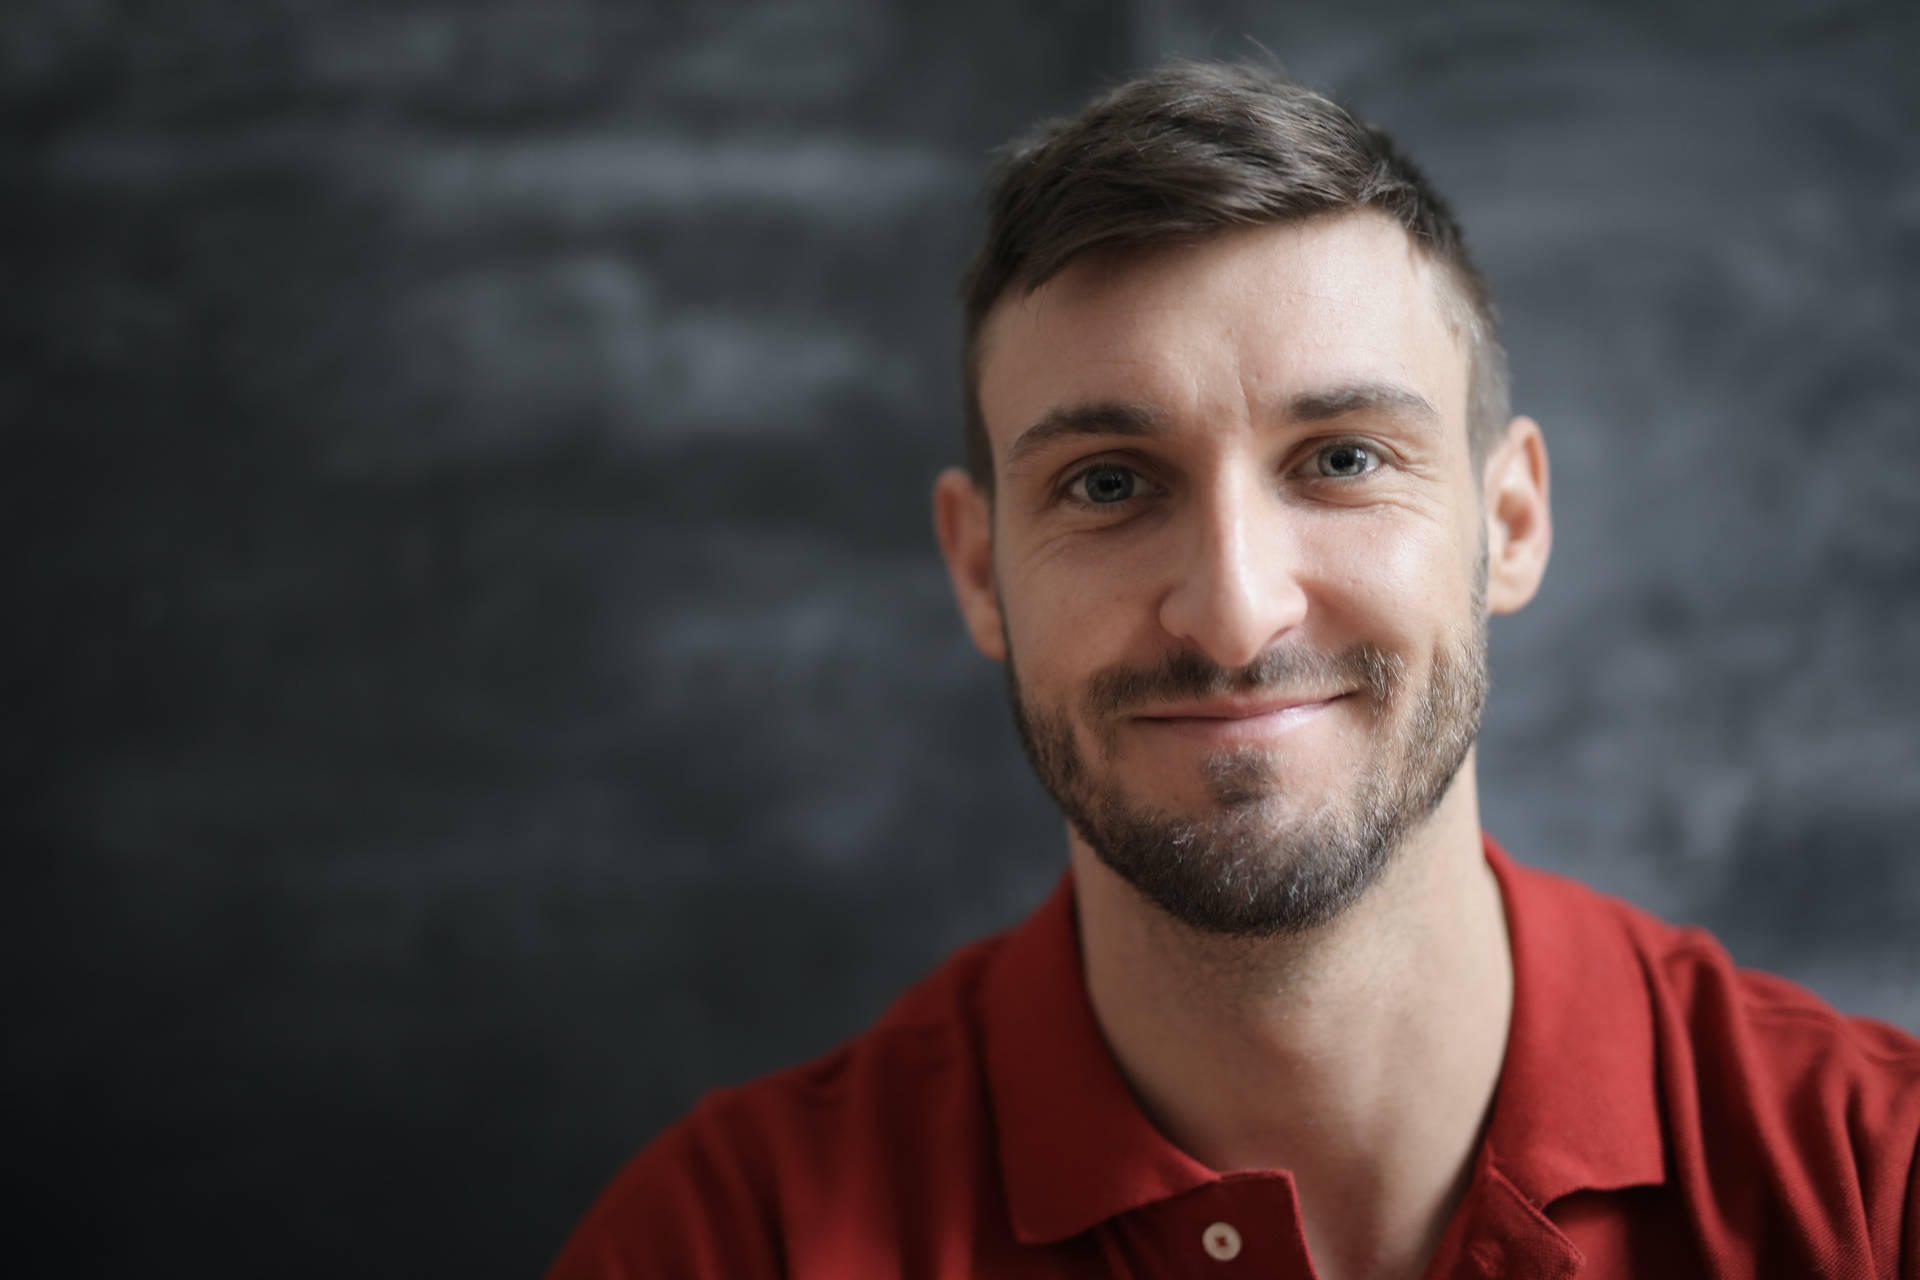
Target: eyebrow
1113,418
1106,418
1362,397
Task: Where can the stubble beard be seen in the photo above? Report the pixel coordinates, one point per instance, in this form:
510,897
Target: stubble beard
1245,867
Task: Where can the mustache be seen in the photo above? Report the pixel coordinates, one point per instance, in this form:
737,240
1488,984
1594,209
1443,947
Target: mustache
1185,674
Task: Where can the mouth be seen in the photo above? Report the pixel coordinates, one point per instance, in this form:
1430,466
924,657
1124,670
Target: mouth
1229,720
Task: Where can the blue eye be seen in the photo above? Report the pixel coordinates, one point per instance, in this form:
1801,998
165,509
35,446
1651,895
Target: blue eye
1338,461
1104,485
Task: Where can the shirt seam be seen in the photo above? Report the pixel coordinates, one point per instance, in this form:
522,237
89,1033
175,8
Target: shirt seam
1839,1022
1760,1006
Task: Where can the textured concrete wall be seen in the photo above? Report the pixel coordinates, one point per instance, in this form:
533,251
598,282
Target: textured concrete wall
478,673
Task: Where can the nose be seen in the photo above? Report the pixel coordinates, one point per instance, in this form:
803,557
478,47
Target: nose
1236,585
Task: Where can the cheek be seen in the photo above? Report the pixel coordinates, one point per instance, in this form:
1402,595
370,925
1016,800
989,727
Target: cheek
1064,627
1388,580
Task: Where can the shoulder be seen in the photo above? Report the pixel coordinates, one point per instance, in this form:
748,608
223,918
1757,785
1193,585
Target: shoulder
1786,1047
1785,1119
825,1119
1712,1014
758,1170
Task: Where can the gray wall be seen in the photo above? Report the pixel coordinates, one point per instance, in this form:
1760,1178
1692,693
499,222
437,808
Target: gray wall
478,673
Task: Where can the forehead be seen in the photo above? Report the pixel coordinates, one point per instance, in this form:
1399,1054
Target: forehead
1223,325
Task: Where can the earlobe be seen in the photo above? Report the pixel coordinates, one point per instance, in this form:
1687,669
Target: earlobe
963,523
1519,516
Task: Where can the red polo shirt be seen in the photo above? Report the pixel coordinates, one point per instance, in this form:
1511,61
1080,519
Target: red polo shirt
1659,1113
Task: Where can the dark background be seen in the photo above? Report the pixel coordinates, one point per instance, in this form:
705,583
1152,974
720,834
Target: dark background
477,671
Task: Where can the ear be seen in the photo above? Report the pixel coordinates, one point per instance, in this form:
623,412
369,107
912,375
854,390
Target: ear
1519,521
963,521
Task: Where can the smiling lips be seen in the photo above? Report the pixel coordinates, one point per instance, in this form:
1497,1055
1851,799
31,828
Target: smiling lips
1238,719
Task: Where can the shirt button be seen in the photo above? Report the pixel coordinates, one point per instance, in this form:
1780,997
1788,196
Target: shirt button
1221,1242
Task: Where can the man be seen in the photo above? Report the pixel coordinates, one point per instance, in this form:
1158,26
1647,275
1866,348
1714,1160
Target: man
1242,491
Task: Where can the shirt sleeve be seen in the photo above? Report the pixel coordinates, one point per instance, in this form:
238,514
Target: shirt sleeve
688,1206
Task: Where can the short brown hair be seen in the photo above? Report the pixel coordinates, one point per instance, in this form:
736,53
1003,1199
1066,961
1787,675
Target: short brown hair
1191,150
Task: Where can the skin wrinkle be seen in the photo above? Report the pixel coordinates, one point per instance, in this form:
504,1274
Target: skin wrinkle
1484,406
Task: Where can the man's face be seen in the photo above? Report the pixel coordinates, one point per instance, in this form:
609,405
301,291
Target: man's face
1238,549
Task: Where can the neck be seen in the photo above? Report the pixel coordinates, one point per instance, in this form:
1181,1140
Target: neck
1361,1056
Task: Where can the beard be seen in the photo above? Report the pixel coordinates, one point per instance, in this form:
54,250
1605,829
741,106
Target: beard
1245,867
